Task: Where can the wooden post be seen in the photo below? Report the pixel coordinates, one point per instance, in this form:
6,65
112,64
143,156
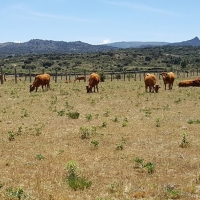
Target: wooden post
124,75
1,75
15,75
70,75
66,75
56,76
30,74
85,75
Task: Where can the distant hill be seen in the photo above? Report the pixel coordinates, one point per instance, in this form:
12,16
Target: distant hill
135,44
37,46
193,42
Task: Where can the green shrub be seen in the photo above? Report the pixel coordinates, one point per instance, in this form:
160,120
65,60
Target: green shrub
19,193
73,115
102,76
84,132
75,181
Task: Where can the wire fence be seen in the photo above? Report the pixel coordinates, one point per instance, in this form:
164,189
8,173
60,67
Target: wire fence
108,75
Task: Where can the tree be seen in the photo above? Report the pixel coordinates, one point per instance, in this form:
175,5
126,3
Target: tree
183,64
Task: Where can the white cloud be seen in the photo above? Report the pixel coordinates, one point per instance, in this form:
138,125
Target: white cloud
106,41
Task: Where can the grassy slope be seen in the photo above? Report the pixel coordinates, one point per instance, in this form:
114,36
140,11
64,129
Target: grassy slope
39,130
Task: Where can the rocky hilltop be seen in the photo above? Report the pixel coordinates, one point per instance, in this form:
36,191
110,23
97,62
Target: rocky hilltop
36,46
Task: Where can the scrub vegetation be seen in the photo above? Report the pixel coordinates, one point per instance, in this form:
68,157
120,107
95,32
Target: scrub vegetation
120,143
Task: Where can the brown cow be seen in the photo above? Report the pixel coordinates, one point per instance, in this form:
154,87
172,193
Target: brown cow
150,82
78,78
93,82
168,78
188,83
40,80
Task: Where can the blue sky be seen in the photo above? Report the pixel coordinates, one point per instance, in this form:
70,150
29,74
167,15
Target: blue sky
99,21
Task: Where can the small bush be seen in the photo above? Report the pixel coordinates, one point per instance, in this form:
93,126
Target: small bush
19,193
61,112
88,117
84,132
75,181
102,76
95,143
139,162
11,136
184,143
73,115
39,156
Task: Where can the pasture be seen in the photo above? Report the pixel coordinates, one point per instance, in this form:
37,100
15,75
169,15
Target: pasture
128,143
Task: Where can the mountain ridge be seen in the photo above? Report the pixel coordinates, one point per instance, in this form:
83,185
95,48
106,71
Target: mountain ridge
39,46
136,44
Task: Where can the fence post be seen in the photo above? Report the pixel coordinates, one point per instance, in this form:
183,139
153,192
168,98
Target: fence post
15,75
1,75
66,75
124,75
56,76
85,75
30,74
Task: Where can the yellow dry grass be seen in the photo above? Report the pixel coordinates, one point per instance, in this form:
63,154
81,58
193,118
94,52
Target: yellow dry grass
148,126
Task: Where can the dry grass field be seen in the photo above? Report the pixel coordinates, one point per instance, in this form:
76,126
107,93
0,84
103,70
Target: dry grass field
130,144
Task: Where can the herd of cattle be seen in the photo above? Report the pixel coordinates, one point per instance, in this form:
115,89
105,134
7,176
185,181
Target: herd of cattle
168,78
43,80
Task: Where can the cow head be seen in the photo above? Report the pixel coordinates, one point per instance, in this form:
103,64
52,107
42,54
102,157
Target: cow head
196,82
32,88
156,88
89,89
164,74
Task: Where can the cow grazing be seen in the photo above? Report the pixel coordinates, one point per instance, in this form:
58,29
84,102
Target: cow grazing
188,83
78,78
168,78
40,80
150,82
94,80
156,88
